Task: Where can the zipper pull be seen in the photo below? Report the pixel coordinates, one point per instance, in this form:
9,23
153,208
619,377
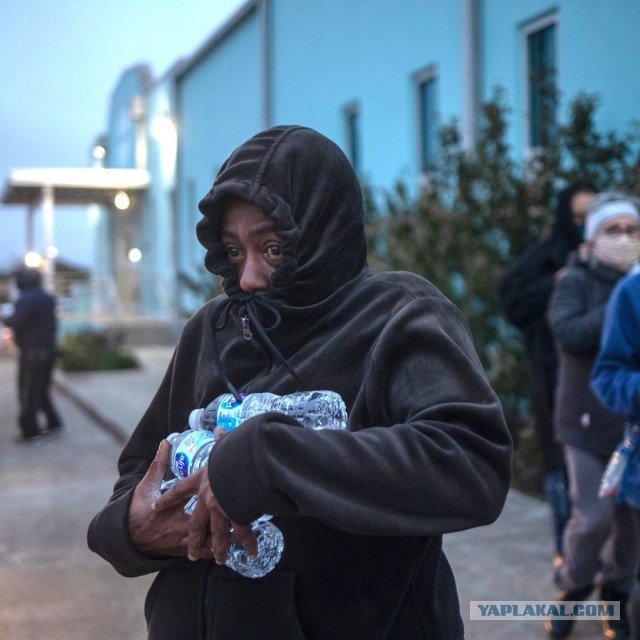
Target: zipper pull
246,331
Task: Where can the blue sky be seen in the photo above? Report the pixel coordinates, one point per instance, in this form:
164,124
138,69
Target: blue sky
59,62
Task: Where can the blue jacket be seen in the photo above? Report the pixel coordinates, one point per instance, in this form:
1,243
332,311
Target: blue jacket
616,374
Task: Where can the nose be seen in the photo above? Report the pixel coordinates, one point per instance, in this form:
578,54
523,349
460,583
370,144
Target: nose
255,274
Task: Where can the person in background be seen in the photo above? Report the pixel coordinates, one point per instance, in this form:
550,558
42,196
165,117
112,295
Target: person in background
426,449
524,292
598,549
616,381
33,323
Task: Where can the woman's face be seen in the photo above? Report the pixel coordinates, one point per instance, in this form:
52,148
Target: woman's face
252,247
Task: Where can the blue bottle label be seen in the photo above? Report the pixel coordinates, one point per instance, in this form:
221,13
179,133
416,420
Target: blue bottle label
186,451
228,415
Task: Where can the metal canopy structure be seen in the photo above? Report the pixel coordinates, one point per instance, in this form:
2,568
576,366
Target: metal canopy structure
51,186
72,186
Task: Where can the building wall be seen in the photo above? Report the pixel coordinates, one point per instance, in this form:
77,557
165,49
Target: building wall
158,287
219,105
115,282
595,41
323,58
328,55
596,55
122,134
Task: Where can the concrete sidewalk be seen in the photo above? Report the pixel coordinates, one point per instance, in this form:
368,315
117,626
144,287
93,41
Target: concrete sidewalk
52,587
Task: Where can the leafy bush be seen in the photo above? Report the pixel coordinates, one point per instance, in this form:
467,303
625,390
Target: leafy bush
93,349
479,210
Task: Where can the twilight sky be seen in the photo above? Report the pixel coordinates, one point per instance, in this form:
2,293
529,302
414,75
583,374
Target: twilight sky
59,62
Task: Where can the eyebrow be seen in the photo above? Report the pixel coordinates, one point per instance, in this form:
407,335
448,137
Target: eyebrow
621,225
258,231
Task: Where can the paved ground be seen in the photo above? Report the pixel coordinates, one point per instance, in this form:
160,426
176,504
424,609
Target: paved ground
53,588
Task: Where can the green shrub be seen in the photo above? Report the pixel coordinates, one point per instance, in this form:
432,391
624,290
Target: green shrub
479,210
94,349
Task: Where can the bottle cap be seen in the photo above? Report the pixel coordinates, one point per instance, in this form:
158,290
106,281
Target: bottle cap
195,419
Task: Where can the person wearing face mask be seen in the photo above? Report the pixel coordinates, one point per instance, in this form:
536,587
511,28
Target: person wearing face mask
619,245
524,293
599,549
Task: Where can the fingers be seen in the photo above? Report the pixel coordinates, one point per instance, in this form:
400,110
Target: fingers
219,433
220,541
197,532
178,493
209,532
248,538
149,486
158,467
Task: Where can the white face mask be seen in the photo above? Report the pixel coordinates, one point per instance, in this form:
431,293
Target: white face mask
621,253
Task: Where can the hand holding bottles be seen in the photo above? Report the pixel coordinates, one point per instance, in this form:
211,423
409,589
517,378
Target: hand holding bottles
158,533
189,454
210,532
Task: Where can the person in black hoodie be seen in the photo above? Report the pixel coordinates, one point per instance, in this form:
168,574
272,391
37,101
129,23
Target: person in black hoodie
34,327
426,450
525,292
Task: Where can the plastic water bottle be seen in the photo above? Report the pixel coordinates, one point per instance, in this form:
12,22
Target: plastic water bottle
614,471
314,409
189,453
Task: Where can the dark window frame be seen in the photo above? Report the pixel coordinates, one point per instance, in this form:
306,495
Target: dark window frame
427,117
353,133
541,78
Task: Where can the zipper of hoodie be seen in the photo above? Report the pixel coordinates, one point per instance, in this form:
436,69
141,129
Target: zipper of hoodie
206,600
247,335
246,329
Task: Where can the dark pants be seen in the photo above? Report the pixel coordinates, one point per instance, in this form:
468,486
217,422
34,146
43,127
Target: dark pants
600,544
542,382
34,379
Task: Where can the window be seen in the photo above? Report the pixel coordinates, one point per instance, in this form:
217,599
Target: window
426,85
352,134
541,81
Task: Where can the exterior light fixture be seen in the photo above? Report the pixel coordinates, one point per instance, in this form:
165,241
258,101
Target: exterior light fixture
135,255
121,201
33,260
99,152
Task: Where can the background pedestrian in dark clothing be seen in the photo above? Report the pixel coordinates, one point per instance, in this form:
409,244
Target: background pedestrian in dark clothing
34,327
525,293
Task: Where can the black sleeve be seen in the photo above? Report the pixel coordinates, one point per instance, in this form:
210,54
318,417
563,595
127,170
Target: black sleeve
525,289
426,450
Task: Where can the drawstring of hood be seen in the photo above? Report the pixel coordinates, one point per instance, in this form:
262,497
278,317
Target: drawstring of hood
306,186
251,307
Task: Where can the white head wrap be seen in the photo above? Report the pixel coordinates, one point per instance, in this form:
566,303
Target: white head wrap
599,213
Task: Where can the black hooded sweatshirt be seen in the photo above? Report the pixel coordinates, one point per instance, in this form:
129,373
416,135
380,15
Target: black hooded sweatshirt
524,293
34,319
426,450
526,289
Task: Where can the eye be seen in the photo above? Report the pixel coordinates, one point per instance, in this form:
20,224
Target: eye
233,253
273,251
